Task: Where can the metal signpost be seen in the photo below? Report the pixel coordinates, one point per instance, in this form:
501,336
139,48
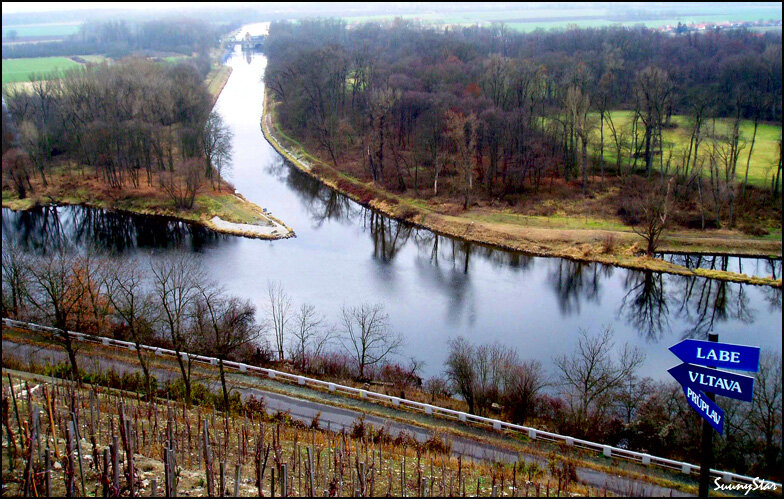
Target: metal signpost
702,381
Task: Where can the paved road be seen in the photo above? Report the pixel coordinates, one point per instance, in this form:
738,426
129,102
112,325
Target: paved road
336,418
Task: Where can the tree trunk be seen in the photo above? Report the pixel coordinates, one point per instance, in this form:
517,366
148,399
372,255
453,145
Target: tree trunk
223,385
748,159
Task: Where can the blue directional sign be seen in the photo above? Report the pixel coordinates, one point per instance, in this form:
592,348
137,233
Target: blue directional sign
722,355
705,407
724,383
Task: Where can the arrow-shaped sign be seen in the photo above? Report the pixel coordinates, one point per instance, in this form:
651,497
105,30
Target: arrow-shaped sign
705,407
724,383
722,355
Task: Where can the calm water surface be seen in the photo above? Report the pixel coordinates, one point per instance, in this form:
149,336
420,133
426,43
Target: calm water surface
433,288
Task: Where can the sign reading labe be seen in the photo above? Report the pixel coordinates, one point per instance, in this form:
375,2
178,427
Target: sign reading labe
721,355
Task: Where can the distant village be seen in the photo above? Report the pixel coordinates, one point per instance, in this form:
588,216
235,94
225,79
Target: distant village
681,28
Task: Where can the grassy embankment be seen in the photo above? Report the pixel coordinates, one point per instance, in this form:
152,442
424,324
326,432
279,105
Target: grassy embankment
443,430
72,184
566,233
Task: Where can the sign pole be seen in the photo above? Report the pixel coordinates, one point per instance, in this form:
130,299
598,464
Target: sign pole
707,442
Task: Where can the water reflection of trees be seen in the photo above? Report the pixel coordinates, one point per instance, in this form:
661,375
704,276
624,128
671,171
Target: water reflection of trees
389,236
650,304
645,305
574,282
322,203
703,303
761,267
55,228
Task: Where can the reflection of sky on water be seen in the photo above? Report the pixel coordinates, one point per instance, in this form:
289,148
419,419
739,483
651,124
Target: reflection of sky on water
434,288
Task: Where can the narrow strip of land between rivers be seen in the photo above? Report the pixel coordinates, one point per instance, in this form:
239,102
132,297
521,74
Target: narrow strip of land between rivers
575,244
337,412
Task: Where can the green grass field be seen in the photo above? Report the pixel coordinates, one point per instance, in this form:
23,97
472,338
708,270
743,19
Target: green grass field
15,70
764,157
38,30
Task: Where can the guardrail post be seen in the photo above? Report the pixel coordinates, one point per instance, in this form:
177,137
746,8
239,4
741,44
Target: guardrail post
300,380
271,374
243,368
496,425
607,451
428,410
646,459
532,434
569,441
685,468
331,387
461,417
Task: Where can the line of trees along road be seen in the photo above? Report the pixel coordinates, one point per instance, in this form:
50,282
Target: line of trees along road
480,113
132,121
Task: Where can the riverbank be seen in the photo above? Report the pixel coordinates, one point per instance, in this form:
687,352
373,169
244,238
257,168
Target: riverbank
220,209
216,207
613,247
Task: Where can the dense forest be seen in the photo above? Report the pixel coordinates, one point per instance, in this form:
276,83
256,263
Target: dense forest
472,114
120,38
132,121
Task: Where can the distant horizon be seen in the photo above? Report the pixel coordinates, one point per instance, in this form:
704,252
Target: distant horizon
393,7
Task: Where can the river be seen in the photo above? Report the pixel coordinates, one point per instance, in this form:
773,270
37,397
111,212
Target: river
433,288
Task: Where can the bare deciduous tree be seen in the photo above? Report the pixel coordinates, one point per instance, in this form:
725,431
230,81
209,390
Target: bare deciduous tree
654,208
183,183
366,335
309,333
591,373
175,286
215,141
522,384
16,278
280,312
229,323
765,414
460,370
55,292
127,291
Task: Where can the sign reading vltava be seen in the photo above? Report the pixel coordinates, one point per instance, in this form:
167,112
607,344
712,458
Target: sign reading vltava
724,383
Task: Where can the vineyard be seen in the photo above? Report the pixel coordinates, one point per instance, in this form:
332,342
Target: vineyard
82,440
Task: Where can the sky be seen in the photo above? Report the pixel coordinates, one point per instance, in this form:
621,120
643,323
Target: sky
14,7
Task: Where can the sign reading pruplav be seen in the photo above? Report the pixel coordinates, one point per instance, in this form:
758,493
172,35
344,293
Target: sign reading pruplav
706,408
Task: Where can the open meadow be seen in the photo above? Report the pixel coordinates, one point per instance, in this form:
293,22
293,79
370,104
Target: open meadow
764,156
19,70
